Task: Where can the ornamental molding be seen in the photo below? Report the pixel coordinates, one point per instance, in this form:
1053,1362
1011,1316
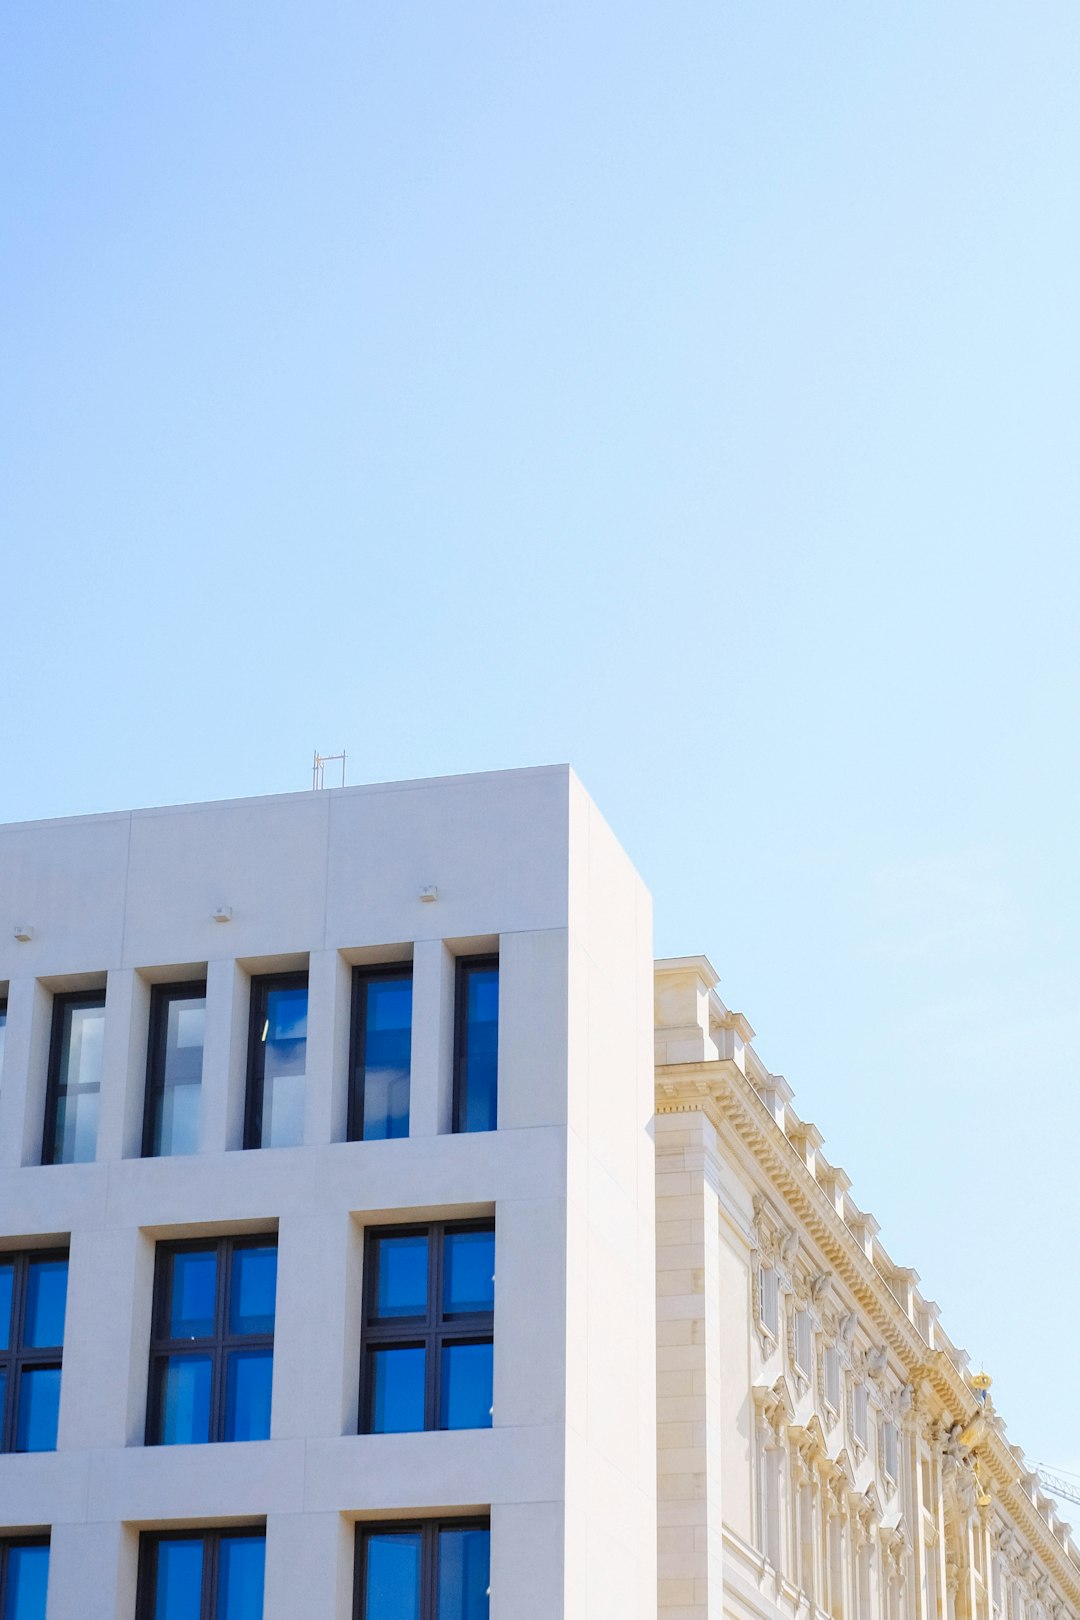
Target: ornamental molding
720,1090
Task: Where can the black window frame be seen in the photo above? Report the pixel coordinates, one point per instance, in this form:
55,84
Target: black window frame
15,1360
160,997
261,985
434,1330
219,1346
463,967
211,1538
428,1530
41,1539
354,1126
62,1000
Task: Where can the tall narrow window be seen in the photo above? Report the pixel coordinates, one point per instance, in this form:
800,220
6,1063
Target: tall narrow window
381,1053
476,1045
74,1089
890,1451
277,1061
831,1376
202,1575
804,1343
860,1414
174,1069
3,1032
33,1301
434,1570
769,1293
428,1323
212,1353
24,1577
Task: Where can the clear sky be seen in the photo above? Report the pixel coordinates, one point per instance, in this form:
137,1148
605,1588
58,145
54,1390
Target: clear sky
689,391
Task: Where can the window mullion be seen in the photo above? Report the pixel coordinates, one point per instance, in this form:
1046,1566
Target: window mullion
218,1392
434,1322
429,1545
209,1591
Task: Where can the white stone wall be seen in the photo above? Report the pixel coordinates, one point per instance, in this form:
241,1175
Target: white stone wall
822,1450
522,863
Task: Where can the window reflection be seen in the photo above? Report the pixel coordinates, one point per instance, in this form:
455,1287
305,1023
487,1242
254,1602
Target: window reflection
382,1056
278,1062
174,1069
74,1089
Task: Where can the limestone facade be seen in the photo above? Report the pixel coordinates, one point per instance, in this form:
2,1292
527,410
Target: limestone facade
823,1449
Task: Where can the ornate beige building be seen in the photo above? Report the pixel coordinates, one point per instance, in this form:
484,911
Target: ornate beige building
823,1448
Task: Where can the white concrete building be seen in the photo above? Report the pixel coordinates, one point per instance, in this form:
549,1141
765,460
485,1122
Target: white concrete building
400,1285
239,903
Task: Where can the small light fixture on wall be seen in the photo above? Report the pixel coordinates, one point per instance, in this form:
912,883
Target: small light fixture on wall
23,931
429,893
222,914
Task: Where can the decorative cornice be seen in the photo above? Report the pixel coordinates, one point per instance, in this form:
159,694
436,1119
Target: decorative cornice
722,1091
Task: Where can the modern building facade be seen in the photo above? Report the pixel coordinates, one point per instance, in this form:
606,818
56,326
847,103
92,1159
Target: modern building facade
372,1248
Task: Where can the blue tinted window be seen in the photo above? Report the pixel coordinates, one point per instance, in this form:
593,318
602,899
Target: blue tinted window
39,1407
385,1061
75,1080
27,1581
220,1300
392,1577
464,1574
240,1578
254,1283
7,1281
194,1294
175,1077
178,1583
476,1101
468,1272
402,1275
397,1389
466,1385
247,1400
46,1301
276,1110
185,1400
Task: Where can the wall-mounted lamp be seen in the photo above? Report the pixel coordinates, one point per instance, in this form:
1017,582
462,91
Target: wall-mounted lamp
429,893
222,913
23,931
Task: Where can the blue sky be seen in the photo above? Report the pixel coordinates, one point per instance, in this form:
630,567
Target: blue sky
687,391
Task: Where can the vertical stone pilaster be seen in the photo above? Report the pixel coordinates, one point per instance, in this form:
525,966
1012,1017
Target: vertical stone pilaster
690,1522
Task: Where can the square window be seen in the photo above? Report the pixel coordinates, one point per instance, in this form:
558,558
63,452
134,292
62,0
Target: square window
434,1570
381,1061
33,1301
212,1351
277,1061
429,1296
201,1575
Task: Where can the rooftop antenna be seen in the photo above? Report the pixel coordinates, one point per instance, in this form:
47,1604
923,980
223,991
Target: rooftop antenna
318,769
